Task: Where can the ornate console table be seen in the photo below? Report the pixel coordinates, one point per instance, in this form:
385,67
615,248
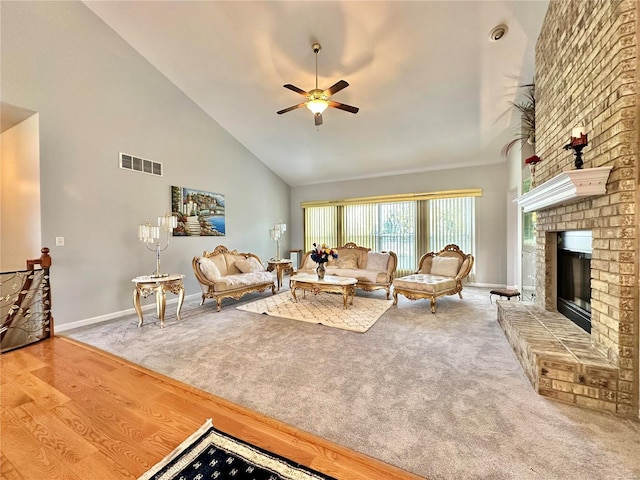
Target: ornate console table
281,267
147,285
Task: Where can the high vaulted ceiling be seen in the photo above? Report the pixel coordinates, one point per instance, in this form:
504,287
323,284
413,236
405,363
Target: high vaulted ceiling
432,89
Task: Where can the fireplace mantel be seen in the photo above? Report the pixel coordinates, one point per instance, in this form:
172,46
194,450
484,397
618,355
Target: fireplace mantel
566,187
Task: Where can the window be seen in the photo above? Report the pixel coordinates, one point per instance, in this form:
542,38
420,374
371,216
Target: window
383,227
320,226
410,225
528,220
452,220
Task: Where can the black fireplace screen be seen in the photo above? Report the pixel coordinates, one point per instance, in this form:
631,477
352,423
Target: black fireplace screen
574,287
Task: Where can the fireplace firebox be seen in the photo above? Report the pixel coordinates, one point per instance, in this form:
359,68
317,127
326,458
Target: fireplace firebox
574,276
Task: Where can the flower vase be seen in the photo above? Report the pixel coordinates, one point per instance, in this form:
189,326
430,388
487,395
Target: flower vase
320,270
532,168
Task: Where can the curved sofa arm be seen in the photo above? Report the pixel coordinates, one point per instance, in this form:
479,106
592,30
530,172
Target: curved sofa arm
466,267
392,266
195,263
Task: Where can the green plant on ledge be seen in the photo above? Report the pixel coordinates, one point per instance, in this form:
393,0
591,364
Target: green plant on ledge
527,109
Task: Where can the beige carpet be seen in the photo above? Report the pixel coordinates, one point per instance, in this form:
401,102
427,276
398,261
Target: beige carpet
442,396
324,308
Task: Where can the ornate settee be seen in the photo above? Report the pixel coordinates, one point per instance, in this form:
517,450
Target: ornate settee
373,270
228,274
440,273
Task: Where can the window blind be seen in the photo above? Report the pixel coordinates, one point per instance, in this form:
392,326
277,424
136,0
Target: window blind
410,228
320,226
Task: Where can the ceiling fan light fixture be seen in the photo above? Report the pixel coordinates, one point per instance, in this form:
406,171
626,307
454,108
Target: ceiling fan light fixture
318,100
317,105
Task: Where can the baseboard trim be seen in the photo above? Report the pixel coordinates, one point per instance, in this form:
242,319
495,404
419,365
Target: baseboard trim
110,316
484,285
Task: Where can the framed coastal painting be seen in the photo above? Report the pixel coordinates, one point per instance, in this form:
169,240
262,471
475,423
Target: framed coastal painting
199,213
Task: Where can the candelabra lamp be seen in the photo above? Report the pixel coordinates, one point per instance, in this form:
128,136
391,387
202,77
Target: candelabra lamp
578,141
150,236
276,235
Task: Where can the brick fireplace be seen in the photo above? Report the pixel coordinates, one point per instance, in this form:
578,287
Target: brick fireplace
587,74
553,340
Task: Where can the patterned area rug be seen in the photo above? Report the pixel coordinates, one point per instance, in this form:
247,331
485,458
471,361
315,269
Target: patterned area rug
210,453
324,308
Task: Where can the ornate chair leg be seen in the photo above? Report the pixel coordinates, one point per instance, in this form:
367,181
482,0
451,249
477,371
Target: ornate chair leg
395,297
433,304
218,304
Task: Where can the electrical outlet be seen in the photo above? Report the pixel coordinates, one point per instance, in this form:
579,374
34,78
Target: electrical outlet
59,241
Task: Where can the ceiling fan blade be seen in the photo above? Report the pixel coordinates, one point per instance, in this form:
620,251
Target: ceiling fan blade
318,119
291,108
335,88
343,106
296,89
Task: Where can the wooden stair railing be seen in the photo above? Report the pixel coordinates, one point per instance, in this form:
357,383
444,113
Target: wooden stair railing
44,261
19,311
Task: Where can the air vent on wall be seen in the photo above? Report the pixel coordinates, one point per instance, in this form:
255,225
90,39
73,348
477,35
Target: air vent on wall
142,165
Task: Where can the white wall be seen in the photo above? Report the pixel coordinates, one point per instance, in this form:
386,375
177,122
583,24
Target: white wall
20,197
96,97
491,207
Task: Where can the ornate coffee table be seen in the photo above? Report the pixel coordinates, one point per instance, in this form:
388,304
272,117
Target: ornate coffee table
329,284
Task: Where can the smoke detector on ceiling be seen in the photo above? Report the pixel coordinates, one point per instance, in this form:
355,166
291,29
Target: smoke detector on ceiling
498,33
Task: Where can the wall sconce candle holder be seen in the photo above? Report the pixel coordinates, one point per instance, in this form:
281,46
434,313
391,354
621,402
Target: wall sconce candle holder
578,141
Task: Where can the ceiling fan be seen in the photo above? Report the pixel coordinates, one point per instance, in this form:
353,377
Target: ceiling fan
318,100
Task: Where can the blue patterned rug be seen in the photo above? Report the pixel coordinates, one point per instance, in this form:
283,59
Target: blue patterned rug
211,454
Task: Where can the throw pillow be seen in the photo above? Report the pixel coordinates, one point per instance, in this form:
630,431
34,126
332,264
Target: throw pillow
257,266
209,269
249,265
348,261
377,261
445,266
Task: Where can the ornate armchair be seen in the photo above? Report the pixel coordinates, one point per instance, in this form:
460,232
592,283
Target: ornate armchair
439,273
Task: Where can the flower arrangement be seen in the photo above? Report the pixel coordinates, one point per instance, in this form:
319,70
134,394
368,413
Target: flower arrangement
321,254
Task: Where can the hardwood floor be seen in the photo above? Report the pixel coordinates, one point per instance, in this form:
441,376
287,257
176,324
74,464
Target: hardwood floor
69,411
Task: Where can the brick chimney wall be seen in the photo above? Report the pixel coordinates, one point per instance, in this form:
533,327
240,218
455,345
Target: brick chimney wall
587,74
